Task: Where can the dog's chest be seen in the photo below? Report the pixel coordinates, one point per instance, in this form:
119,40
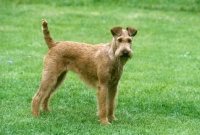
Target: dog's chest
116,73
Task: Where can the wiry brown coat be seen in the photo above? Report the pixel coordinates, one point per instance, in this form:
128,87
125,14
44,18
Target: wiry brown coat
99,66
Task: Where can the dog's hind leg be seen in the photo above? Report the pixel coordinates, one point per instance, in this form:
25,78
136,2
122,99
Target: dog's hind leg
50,81
60,79
47,84
45,87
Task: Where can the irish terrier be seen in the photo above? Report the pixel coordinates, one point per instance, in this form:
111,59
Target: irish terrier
99,66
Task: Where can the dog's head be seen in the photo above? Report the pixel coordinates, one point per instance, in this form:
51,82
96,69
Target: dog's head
123,41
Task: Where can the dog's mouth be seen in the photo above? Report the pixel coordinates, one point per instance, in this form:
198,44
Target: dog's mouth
125,57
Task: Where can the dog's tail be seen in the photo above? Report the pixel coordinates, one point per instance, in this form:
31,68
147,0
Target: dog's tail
48,39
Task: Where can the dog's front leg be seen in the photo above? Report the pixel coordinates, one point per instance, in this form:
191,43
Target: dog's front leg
102,104
112,92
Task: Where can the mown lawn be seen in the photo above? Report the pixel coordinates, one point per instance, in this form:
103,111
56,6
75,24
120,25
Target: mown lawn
159,92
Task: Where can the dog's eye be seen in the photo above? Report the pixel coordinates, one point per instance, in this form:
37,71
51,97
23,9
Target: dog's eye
129,40
120,40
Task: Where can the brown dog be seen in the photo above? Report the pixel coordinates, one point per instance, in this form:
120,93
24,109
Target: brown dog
99,66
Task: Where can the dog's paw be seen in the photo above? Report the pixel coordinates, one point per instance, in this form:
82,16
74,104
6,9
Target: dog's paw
105,122
35,113
112,117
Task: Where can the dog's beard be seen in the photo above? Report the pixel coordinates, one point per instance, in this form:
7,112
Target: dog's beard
126,55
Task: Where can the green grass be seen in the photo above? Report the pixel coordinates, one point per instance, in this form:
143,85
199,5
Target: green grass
159,92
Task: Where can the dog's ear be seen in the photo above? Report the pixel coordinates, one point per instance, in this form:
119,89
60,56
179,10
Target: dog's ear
131,31
116,31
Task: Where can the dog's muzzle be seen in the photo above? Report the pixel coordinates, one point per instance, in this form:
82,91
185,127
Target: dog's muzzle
125,53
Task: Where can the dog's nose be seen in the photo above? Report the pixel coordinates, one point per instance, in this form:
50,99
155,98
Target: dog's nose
125,53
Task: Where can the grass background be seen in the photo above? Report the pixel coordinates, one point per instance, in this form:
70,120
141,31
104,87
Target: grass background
159,92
